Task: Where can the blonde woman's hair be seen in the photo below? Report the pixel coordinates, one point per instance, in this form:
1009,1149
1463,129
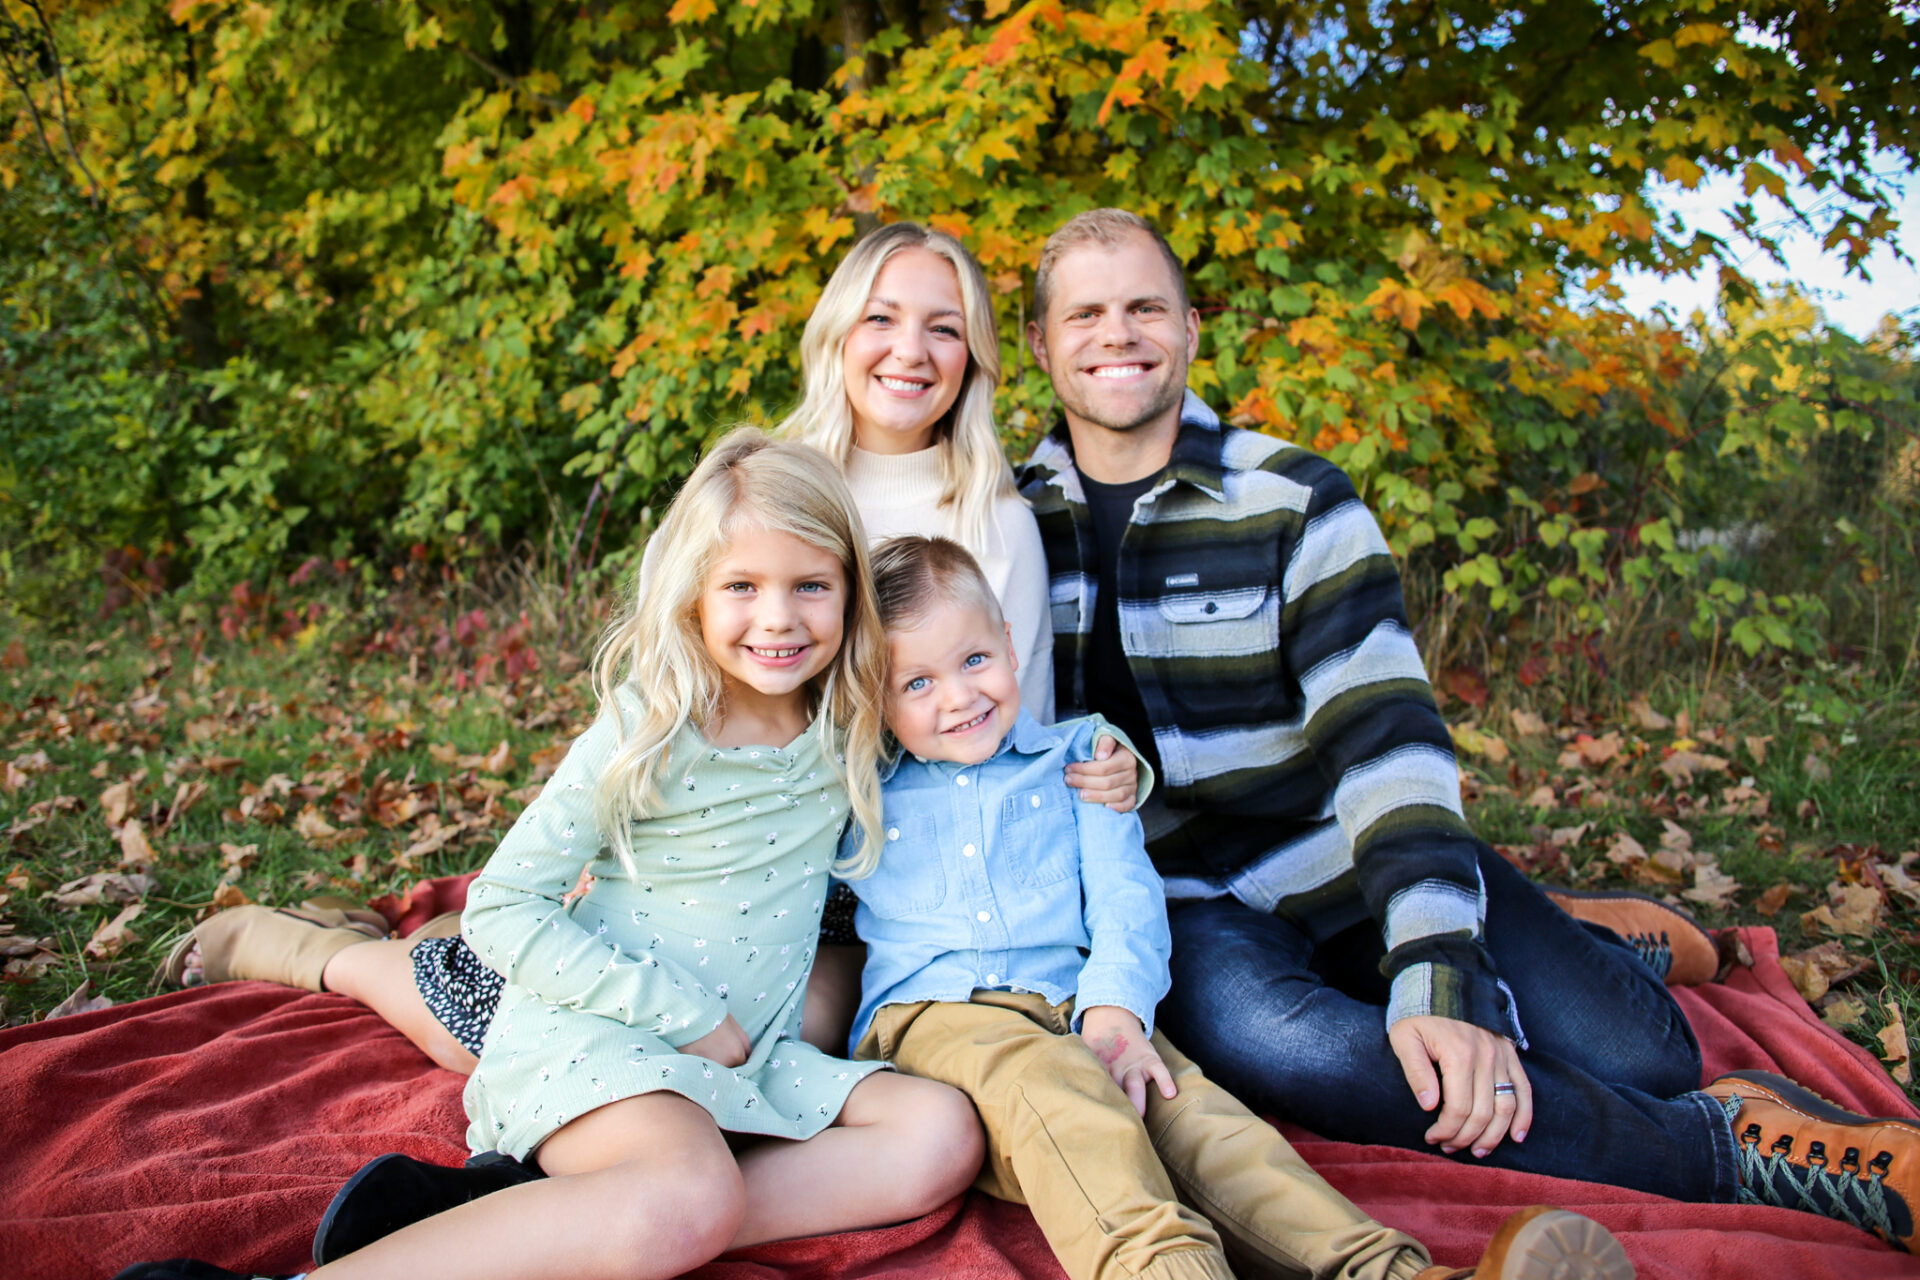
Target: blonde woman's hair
655,652
973,470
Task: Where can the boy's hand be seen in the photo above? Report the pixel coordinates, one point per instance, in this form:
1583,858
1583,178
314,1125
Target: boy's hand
726,1044
1111,778
1120,1042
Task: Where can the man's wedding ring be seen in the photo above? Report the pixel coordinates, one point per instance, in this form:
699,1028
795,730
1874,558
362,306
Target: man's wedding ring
1505,1086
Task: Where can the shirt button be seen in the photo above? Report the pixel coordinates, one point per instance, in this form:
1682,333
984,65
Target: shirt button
984,916
893,833
968,852
992,978
960,781
1036,799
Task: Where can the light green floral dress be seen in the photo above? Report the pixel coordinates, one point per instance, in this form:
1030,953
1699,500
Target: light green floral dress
723,918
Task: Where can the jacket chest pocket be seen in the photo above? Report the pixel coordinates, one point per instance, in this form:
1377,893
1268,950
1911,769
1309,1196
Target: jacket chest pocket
1232,605
909,880
1237,622
1039,836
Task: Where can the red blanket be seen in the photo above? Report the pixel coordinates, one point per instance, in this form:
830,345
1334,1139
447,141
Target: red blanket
218,1122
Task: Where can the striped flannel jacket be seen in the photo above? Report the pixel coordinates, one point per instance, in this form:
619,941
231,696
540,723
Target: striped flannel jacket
1305,768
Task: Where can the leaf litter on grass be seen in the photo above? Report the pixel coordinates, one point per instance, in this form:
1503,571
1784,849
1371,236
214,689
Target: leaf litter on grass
242,776
1680,803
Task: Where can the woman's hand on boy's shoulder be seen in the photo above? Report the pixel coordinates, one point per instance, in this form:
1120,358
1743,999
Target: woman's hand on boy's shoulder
1120,1042
1110,778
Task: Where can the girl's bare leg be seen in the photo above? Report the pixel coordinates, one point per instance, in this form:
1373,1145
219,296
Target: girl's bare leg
380,976
902,1147
644,1188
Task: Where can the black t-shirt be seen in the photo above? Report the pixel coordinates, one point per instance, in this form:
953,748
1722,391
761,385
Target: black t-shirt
1111,688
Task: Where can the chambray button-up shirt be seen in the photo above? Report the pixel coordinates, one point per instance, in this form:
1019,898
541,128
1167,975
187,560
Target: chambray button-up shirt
997,875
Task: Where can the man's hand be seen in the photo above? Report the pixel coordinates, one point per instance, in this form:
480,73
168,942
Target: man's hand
1472,1062
1120,1042
726,1044
1111,778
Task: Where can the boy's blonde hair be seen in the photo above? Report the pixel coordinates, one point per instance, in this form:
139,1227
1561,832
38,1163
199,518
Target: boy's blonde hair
912,574
973,470
655,651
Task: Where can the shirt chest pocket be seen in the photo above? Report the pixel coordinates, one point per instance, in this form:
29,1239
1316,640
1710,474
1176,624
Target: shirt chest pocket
1228,622
1213,606
909,880
1039,836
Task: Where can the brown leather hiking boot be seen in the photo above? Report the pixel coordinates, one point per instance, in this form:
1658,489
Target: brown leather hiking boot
1545,1243
1667,938
1799,1151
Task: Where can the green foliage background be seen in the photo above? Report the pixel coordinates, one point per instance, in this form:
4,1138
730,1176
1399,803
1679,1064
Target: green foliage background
344,279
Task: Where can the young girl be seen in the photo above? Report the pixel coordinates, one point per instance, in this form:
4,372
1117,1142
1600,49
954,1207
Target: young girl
650,1018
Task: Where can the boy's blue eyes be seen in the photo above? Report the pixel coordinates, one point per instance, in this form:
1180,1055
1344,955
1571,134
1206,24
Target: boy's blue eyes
918,683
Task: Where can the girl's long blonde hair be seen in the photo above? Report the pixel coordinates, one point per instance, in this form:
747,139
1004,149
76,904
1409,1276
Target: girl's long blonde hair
973,470
655,651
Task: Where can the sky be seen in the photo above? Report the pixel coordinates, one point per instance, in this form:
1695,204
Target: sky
1851,304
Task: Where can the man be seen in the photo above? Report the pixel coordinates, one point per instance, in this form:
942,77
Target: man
1346,952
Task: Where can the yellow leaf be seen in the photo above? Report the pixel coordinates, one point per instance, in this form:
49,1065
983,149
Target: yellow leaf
690,11
1683,171
1757,176
1660,53
1698,33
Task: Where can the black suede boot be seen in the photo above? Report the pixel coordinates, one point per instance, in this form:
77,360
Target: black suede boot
396,1191
186,1269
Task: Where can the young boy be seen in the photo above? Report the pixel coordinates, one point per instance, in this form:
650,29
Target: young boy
1017,945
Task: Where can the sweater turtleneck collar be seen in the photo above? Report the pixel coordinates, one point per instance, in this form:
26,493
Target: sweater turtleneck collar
895,479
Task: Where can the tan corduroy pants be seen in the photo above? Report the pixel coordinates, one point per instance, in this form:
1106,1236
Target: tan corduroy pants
1202,1184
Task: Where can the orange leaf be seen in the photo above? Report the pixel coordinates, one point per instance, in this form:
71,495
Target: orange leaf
690,10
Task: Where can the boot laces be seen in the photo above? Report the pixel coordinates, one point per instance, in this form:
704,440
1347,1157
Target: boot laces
1657,951
1841,1193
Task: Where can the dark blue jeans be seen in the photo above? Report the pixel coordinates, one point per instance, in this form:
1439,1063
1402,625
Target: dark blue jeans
1299,1030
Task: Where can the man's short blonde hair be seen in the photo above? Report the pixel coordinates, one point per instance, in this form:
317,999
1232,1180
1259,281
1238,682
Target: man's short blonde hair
1108,228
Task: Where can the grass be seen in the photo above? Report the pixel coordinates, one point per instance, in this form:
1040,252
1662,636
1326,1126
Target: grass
270,767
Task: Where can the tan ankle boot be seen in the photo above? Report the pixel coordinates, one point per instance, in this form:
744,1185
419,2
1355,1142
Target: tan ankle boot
283,945
1545,1243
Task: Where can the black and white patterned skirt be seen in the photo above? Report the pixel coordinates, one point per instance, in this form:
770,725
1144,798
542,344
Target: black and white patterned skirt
460,991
